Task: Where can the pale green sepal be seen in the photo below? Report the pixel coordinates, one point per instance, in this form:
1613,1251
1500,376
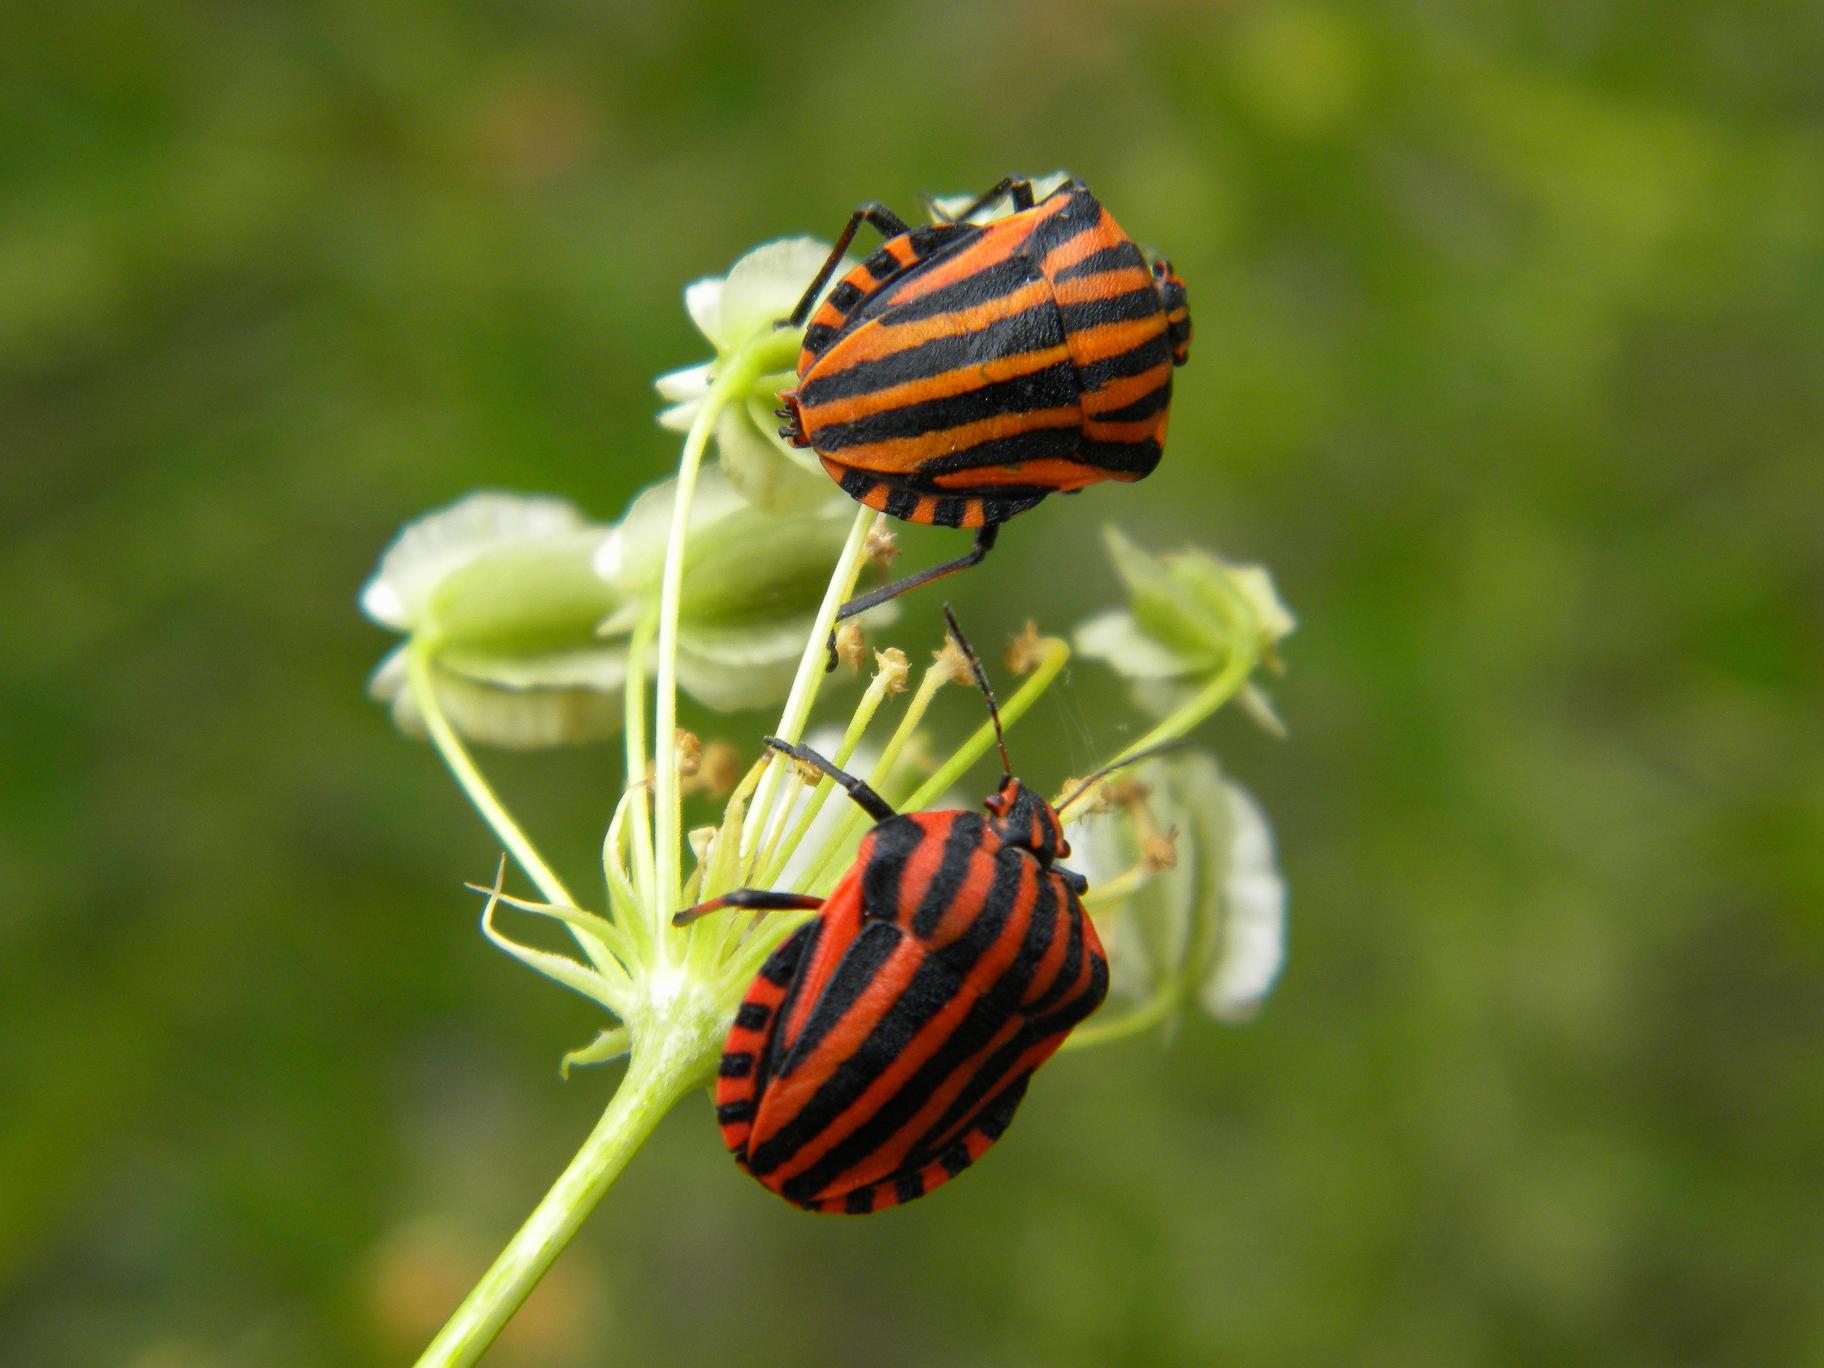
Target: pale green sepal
607,1047
511,718
598,987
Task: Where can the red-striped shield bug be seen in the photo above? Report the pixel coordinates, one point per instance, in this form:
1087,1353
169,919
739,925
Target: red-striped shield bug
886,1043
965,371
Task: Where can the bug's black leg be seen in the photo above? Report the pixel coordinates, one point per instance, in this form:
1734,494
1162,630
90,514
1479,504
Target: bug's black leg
751,899
1018,186
870,802
883,218
984,543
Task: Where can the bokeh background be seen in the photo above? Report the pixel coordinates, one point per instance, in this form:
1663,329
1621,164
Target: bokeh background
1509,361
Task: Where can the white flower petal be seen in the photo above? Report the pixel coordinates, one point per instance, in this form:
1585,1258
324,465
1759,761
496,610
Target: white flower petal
428,550
703,302
766,284
679,417
586,667
1116,637
1254,916
691,382
759,468
516,719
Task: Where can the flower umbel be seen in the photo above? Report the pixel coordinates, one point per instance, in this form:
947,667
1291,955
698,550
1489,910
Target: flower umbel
529,624
739,312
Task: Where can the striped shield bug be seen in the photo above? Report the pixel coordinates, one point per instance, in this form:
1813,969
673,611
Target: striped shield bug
887,1042
965,371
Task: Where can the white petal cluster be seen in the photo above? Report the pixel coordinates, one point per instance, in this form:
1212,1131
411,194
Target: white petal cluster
731,312
1212,927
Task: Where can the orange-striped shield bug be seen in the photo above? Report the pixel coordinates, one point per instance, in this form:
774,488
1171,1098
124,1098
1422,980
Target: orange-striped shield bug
965,371
888,1041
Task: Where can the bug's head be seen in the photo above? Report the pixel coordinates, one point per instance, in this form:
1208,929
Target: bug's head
1023,818
1177,309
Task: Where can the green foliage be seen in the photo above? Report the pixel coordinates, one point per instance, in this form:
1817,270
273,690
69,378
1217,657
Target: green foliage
1509,323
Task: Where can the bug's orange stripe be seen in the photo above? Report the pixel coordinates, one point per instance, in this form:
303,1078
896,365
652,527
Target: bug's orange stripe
1125,389
1136,431
893,1152
996,243
940,386
786,1097
1072,250
873,341
1112,339
1054,473
841,920
892,1155
1102,285
903,455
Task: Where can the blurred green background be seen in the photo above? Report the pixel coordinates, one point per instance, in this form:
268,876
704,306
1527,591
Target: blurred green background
1509,361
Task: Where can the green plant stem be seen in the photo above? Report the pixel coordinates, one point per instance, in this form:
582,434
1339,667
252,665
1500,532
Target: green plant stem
462,766
667,801
809,678
1222,687
634,739
655,1081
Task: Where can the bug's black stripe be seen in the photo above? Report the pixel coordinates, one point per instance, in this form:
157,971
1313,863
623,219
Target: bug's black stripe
817,338
901,503
753,1016
735,1064
1004,894
1140,457
856,483
860,1202
894,842
955,1159
844,297
783,962
1067,974
1002,507
856,970
730,1113
963,1110
981,287
792,953
950,512
908,1186
1032,445
972,1033
883,265
952,868
1155,351
1121,257
978,1026
998,1114
1053,387
932,986
1082,215
1010,988
1144,407
1121,308
1030,329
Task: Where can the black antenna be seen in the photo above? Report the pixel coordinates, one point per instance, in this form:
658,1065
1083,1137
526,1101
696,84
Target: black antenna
1114,765
981,682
